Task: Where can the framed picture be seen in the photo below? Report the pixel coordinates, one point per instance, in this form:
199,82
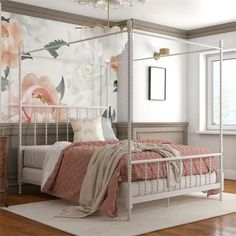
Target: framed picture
157,83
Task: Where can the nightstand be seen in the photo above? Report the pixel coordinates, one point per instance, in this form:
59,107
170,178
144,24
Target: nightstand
3,171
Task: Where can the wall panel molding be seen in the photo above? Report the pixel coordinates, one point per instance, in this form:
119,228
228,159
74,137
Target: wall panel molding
171,131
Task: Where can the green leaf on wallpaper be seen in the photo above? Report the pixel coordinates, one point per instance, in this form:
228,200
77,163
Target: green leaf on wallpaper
115,85
53,46
4,83
6,72
5,19
26,56
112,115
61,88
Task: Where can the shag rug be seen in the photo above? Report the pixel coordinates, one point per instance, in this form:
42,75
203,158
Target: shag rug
146,217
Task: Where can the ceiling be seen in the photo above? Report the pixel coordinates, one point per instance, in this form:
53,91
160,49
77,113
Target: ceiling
182,14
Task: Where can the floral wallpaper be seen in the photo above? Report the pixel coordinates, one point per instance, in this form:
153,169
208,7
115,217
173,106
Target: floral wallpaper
72,74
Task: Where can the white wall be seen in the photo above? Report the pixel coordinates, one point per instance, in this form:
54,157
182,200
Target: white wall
174,109
210,141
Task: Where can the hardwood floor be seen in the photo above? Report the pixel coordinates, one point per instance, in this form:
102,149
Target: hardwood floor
13,225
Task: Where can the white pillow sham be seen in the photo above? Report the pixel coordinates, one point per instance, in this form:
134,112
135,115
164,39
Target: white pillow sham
87,129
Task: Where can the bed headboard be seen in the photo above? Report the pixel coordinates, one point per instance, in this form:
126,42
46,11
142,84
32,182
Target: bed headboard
54,125
51,123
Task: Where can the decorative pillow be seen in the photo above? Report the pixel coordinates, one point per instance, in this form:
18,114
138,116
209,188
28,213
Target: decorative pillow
87,129
108,132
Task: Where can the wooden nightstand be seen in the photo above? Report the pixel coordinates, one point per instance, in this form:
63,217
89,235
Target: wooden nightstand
3,171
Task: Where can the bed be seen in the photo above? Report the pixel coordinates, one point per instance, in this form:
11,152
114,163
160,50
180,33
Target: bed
148,180
33,159
137,186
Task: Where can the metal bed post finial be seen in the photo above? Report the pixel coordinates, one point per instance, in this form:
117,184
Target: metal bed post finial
221,120
130,111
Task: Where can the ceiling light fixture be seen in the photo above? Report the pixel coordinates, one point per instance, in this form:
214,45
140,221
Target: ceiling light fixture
106,4
113,3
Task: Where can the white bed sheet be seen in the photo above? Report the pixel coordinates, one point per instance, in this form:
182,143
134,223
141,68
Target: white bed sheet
34,159
32,175
33,156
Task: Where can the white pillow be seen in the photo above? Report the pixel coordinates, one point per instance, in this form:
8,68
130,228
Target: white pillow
87,129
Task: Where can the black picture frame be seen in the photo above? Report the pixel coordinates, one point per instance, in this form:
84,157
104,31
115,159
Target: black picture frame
156,83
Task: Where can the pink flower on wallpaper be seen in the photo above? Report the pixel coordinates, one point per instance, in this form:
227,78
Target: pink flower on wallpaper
11,42
40,91
114,63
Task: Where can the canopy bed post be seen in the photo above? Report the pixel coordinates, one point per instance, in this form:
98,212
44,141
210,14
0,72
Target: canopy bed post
221,121
130,112
107,87
20,124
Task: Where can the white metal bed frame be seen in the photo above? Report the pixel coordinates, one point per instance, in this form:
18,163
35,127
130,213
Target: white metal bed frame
130,200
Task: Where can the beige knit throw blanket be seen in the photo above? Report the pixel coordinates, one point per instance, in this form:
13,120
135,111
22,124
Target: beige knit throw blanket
101,168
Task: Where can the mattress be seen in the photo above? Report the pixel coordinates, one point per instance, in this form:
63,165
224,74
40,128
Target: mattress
154,186
33,156
32,175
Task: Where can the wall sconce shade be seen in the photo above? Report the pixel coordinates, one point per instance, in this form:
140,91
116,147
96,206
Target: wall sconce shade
162,52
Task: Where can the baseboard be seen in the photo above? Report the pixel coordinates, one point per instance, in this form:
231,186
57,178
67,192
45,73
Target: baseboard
26,188
12,180
12,184
230,174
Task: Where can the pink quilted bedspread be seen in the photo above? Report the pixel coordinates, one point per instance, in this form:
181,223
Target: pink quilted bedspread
66,180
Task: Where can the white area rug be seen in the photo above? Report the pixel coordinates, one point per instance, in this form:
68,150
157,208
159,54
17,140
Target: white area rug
146,217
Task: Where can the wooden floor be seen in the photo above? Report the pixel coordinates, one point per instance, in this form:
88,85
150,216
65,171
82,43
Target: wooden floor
13,225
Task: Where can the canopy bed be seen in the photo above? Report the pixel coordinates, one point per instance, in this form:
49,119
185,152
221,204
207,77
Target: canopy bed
146,179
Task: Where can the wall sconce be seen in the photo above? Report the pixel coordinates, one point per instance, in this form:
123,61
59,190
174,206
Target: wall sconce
162,52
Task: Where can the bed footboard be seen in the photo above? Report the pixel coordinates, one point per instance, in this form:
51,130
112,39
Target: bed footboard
186,184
